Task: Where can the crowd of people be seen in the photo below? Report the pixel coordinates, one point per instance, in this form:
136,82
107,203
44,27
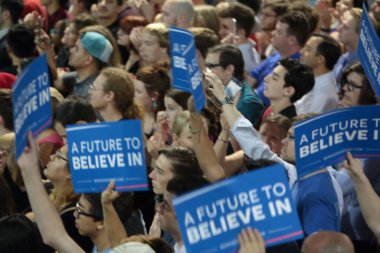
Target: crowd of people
266,65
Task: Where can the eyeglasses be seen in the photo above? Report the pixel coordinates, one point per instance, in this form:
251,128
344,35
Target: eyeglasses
290,137
80,212
59,154
92,87
352,86
211,66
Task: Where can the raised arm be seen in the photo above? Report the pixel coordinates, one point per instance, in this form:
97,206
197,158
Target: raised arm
203,147
368,199
48,220
114,227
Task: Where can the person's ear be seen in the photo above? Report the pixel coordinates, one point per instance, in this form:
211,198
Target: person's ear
99,225
230,69
289,91
110,96
292,40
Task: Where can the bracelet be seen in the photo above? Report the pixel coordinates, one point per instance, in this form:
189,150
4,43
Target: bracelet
223,140
195,131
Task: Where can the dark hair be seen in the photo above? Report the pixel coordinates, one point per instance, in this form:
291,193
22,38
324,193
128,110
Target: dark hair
129,22
367,95
88,3
74,109
230,54
180,97
310,13
157,244
6,110
279,7
156,79
83,20
183,161
204,39
7,206
123,205
297,26
245,16
180,185
20,40
18,234
299,76
329,48
15,8
251,164
253,4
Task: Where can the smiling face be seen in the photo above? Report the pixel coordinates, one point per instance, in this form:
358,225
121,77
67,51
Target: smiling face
161,174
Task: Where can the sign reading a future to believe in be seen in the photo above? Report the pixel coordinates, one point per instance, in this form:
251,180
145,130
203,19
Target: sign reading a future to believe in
212,217
101,152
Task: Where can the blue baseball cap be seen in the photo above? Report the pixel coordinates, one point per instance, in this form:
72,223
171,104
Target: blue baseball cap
97,45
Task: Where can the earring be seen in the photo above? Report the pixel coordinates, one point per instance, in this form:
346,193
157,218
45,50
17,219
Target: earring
154,104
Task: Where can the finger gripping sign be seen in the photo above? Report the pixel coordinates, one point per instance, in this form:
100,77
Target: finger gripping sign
101,152
31,102
211,218
184,65
324,140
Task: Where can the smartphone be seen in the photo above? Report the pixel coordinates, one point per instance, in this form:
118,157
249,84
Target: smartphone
234,26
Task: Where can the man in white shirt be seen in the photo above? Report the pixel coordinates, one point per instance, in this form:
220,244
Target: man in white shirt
320,53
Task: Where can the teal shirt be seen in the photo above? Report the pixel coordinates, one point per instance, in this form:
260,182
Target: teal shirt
249,104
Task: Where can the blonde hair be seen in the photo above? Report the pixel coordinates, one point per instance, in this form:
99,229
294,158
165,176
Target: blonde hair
161,32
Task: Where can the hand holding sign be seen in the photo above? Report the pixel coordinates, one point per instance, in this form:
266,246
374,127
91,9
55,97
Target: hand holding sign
251,241
353,166
109,194
30,154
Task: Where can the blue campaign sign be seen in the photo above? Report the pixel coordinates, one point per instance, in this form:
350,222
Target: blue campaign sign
101,152
184,65
211,218
31,102
323,140
369,52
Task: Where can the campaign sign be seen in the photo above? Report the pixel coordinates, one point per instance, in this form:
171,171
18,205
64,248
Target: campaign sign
211,218
101,152
369,52
324,140
31,102
184,65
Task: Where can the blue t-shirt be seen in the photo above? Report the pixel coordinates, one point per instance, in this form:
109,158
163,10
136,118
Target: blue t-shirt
317,203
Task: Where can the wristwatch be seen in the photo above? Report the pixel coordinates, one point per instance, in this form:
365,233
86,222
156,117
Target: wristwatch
227,100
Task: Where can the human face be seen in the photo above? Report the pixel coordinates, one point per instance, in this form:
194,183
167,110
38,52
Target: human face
169,16
61,130
122,38
76,7
226,27
57,168
108,9
142,97
348,33
161,174
309,52
184,139
352,90
268,19
280,37
212,63
150,50
172,110
288,148
167,218
97,94
84,220
78,56
375,9
274,83
272,135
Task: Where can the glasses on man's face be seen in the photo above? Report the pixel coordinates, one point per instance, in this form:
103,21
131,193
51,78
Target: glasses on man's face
59,154
92,87
211,66
80,212
352,86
